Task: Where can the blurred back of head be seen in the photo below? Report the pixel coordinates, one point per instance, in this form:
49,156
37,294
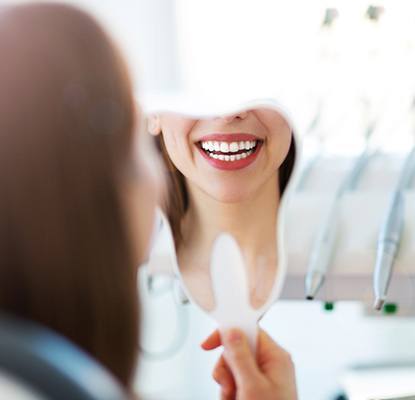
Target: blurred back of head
66,123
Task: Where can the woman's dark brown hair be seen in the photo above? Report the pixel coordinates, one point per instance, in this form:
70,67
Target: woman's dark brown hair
66,123
177,201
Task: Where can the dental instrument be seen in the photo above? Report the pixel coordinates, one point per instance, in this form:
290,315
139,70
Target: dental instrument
323,247
391,233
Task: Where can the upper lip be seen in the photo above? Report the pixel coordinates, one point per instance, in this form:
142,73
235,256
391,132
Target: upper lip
228,137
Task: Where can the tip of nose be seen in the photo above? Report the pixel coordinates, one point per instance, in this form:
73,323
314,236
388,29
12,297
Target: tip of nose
241,115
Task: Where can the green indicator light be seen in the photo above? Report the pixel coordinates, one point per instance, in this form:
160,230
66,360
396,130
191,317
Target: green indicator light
390,308
329,306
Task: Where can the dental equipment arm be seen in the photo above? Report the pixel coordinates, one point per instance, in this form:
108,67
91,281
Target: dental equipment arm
390,234
323,247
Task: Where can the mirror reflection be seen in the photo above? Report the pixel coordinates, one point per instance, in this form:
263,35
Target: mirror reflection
226,174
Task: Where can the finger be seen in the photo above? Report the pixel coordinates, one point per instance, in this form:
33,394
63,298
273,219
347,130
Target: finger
212,342
271,356
226,396
239,358
268,347
226,384
223,376
220,370
224,379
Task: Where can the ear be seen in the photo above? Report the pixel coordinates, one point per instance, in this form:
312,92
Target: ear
154,125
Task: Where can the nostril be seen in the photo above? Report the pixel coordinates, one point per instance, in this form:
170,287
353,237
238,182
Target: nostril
230,118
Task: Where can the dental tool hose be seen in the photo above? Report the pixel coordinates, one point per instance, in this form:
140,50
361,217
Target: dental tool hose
390,234
305,173
178,340
322,251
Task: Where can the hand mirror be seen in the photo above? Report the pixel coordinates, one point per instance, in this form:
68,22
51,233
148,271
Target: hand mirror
229,172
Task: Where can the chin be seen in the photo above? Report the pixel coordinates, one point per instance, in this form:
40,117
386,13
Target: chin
229,193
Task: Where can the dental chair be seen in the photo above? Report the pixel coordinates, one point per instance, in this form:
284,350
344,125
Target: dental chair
38,364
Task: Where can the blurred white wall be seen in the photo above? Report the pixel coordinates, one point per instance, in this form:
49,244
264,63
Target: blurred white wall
146,30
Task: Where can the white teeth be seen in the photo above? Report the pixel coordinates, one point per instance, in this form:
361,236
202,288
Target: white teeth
224,147
233,157
234,147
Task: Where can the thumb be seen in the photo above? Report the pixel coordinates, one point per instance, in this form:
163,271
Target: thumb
239,357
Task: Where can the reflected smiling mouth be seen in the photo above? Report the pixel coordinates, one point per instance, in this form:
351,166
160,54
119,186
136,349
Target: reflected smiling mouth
229,151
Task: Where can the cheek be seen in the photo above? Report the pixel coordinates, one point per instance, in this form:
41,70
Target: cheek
280,141
179,149
279,133
283,144
173,145
175,131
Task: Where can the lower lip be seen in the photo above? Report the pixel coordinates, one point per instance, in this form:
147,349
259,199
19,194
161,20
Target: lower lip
232,165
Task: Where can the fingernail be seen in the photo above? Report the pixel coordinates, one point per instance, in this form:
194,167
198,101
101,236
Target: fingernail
233,336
